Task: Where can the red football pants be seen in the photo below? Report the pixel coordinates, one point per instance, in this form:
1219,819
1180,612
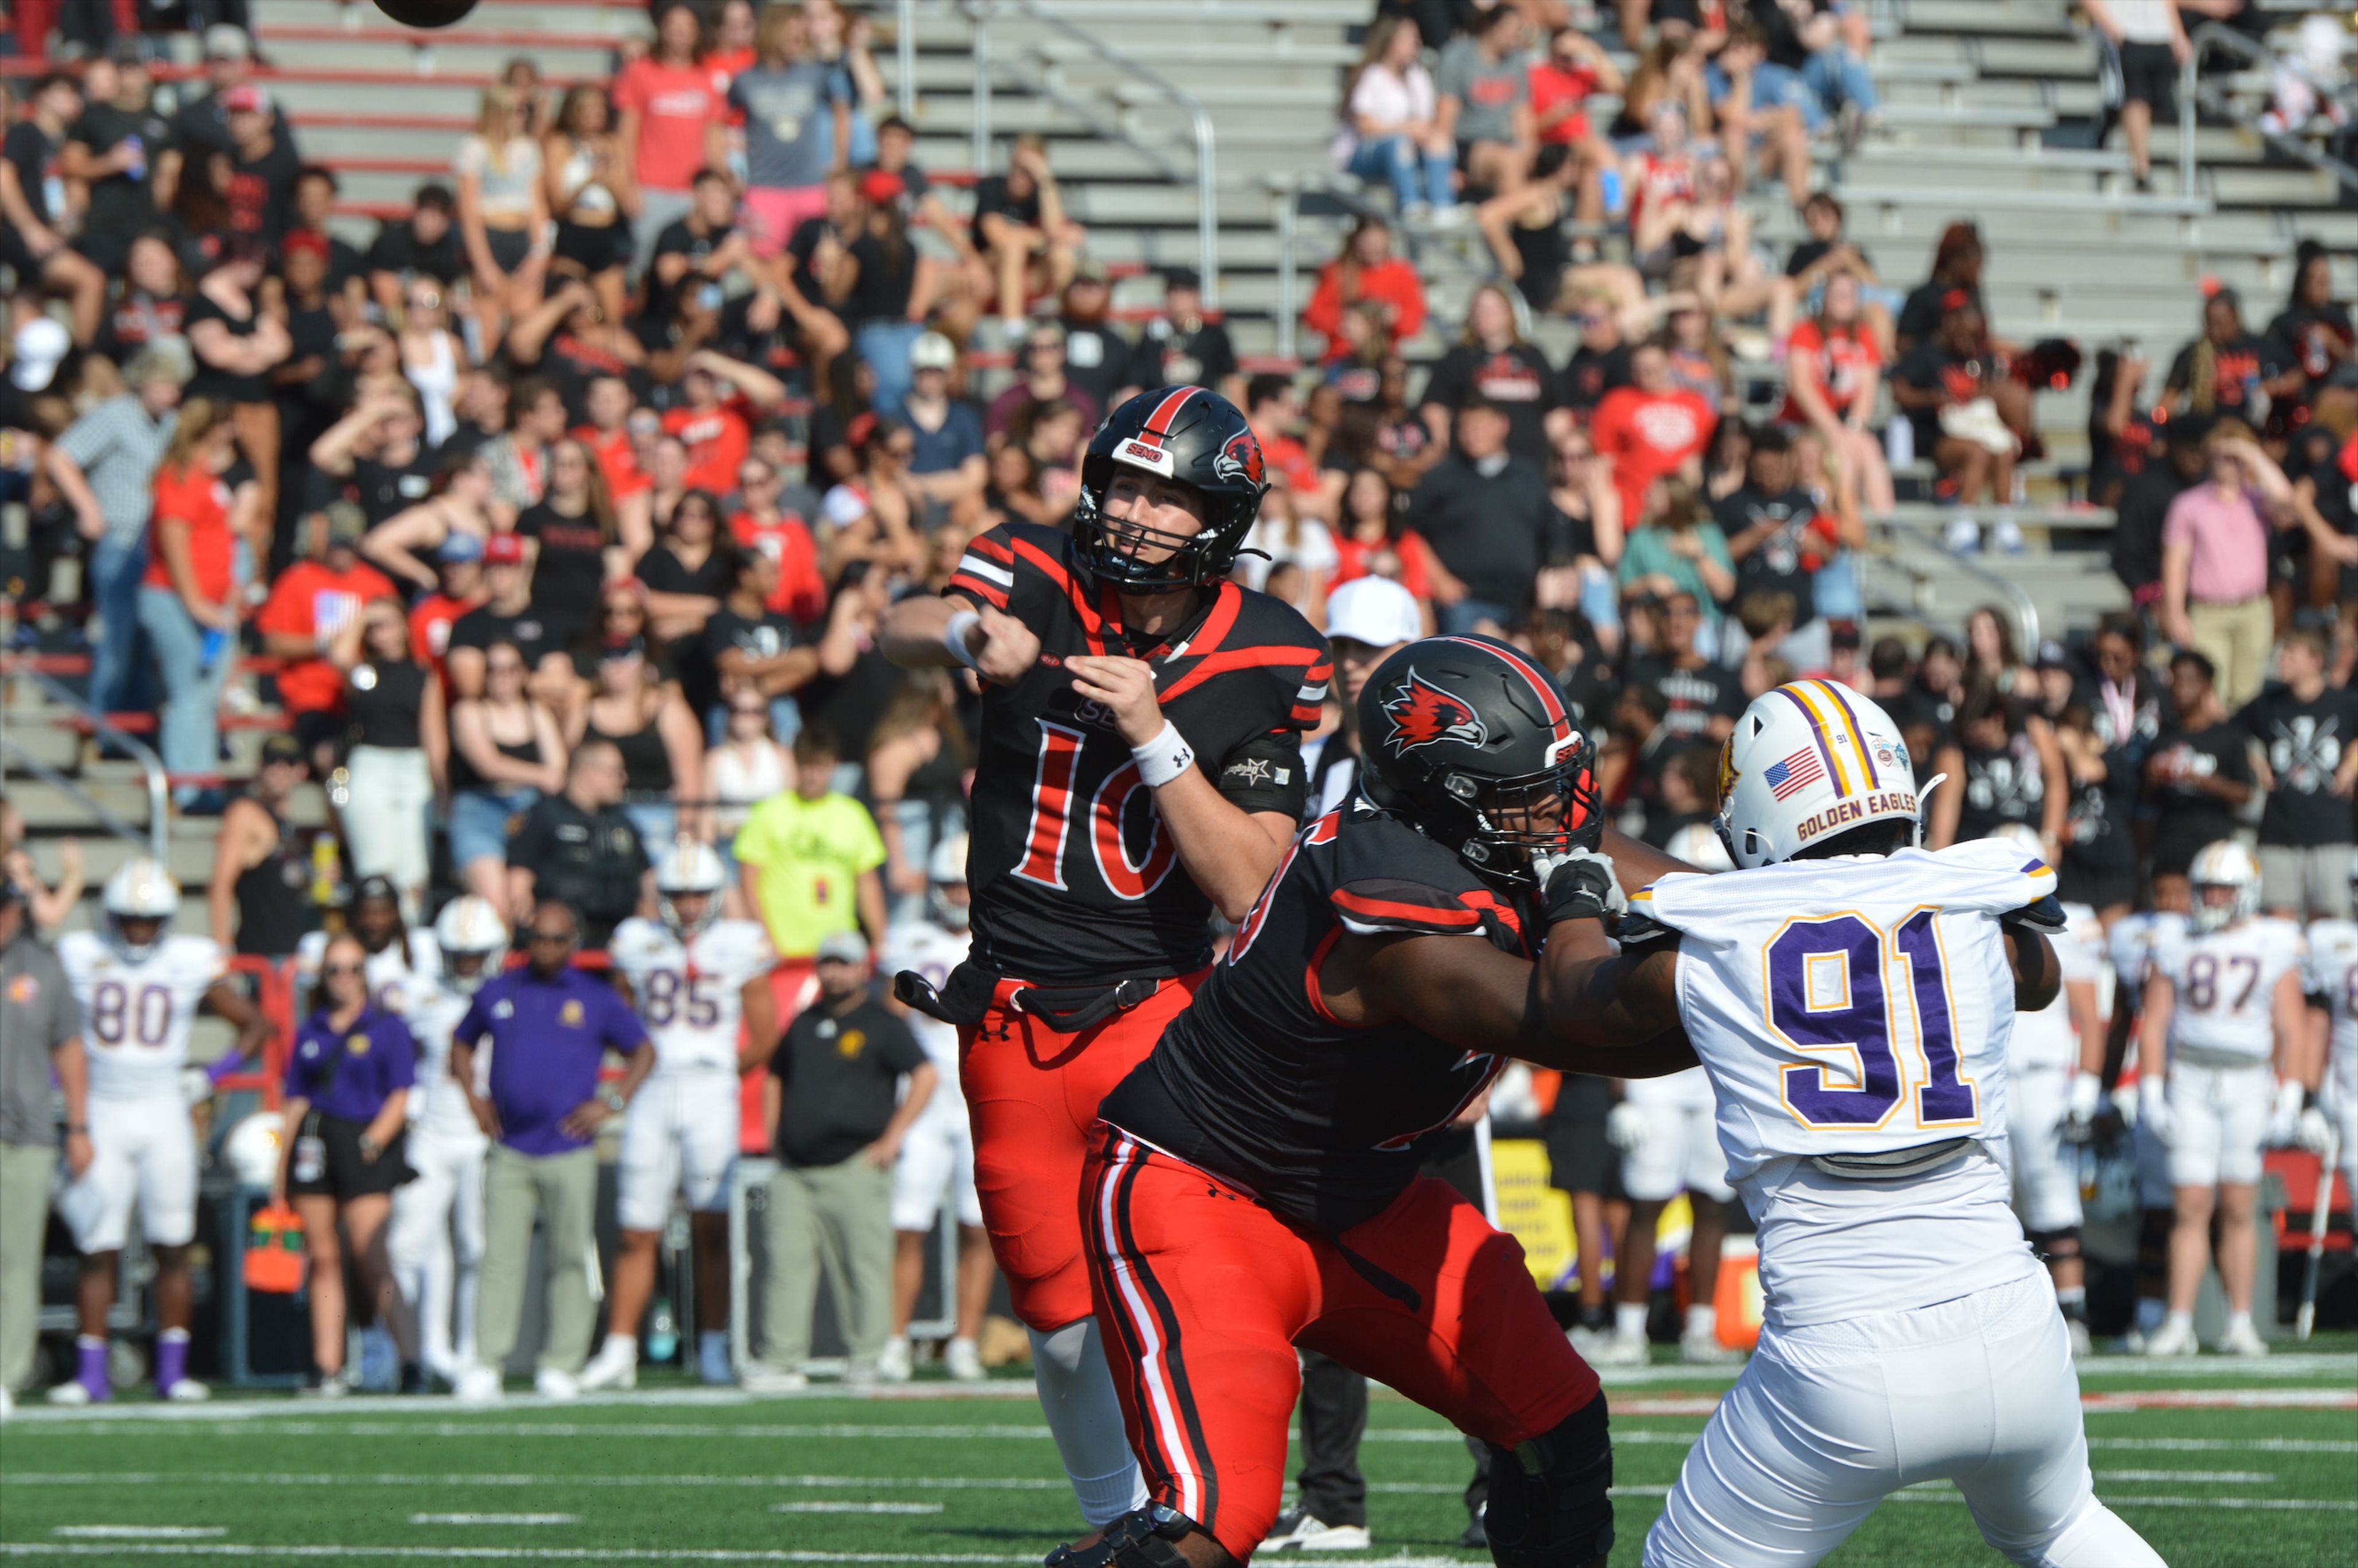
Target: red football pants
1203,1295
1032,1095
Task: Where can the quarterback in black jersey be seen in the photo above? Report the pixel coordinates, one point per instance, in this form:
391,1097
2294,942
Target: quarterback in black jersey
1140,766
1252,1187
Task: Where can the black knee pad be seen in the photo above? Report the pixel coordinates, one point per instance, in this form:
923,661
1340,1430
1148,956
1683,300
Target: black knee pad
1548,1506
2153,1234
2051,1245
1143,1538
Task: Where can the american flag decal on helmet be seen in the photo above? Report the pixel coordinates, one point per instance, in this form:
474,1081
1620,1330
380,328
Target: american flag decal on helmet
1794,773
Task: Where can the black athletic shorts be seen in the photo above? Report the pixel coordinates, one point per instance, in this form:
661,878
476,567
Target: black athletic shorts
2148,75
1579,1158
335,1168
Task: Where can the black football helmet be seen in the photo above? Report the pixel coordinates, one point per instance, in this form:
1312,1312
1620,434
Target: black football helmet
1187,434
1471,744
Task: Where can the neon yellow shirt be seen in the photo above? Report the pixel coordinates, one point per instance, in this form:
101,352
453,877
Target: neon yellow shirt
811,854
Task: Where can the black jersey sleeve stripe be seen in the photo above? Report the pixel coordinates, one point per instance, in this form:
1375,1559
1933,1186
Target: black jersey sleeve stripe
990,593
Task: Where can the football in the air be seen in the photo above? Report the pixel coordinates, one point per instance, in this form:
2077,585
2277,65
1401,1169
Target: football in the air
426,13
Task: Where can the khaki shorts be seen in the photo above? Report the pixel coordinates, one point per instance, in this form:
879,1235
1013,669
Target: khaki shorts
2313,881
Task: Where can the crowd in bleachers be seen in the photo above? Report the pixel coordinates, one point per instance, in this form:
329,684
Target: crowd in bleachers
577,494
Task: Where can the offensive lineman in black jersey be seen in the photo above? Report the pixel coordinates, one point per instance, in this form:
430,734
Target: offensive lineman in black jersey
1252,1187
1140,766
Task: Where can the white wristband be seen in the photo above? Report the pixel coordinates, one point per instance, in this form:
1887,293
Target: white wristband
1164,758
954,638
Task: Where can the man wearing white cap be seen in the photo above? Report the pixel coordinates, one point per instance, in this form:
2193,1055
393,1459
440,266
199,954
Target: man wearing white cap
1367,619
947,462
837,1133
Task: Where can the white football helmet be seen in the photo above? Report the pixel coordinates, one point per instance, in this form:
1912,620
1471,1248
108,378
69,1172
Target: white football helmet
251,1147
2023,836
690,867
1809,760
945,869
141,889
1698,845
470,927
2225,864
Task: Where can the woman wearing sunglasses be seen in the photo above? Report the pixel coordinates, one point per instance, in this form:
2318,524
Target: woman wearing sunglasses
347,1090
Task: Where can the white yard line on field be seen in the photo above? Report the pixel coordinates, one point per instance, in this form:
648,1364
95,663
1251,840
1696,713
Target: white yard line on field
2194,1477
583,1555
495,1519
830,1507
140,1532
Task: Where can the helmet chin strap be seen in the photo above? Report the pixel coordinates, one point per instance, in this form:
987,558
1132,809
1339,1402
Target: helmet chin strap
1924,804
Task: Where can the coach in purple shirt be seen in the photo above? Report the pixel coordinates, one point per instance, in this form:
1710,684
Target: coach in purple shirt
549,1027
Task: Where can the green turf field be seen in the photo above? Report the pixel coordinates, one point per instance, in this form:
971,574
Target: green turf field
2216,1462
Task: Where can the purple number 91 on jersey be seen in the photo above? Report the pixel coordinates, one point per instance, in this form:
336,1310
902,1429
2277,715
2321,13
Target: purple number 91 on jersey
1826,991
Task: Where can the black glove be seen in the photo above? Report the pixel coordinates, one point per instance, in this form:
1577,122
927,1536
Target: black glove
1580,885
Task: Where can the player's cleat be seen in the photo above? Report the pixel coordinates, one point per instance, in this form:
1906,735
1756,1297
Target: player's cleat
476,1386
760,1379
8,1404
2242,1339
333,1385
2082,1345
859,1372
1617,1349
964,1360
1477,1537
554,1383
2172,1339
1705,1350
1299,1530
712,1365
893,1364
616,1365
74,1395
185,1392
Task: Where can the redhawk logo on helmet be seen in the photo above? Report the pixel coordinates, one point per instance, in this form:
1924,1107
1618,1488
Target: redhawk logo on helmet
1422,714
1240,459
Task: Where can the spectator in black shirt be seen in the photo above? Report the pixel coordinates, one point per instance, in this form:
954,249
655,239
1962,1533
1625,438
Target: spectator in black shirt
153,302
2314,327
30,175
2145,505
2004,768
2229,370
264,165
698,250
1019,226
508,616
1778,539
1956,266
426,245
1601,363
201,124
747,643
1704,699
1181,348
578,848
1495,362
837,1100
377,457
2198,777
315,208
2308,733
2100,851
1485,512
112,147
1097,358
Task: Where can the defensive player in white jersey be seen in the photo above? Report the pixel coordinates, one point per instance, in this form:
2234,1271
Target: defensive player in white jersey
2054,1086
437,1239
1663,1128
937,1155
1851,996
394,953
2224,1015
700,981
140,989
2330,1123
2134,941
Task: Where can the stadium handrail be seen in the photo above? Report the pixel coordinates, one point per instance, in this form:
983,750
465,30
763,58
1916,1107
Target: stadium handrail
2191,88
1207,208
158,789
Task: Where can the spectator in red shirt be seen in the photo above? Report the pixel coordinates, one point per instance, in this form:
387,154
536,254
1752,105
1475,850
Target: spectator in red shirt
767,523
312,603
616,431
1834,368
188,602
674,122
1273,409
718,432
1575,69
1651,429
1366,270
460,559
